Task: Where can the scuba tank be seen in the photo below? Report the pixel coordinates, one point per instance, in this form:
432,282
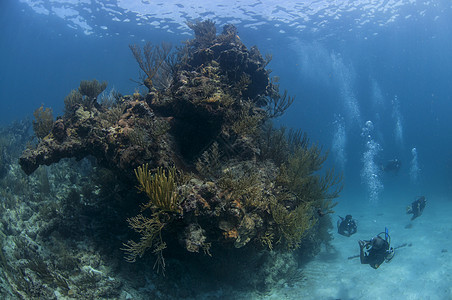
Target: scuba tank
390,251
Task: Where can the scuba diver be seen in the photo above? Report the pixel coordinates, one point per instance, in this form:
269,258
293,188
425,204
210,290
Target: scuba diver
392,165
417,207
346,226
377,250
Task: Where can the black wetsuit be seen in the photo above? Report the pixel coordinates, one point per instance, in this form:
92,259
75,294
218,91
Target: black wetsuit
375,256
346,227
417,207
392,165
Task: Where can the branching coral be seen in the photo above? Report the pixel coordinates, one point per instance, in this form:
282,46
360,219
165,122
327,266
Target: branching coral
160,188
43,122
150,230
91,88
272,143
292,225
330,180
151,61
112,115
71,101
300,190
297,173
86,96
278,104
243,184
163,201
242,85
277,144
247,121
209,164
205,33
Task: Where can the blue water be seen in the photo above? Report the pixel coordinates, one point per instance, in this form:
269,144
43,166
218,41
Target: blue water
387,62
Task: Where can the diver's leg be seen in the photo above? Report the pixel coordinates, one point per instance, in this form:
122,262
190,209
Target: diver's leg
362,255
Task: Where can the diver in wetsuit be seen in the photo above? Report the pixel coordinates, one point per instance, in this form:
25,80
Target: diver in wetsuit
417,207
376,251
346,226
392,165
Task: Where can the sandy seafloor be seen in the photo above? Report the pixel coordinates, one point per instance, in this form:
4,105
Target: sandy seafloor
420,270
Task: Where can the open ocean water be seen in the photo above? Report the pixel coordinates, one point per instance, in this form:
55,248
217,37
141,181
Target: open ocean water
372,82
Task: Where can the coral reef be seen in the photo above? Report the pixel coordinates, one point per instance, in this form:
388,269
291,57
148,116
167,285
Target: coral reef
221,187
94,131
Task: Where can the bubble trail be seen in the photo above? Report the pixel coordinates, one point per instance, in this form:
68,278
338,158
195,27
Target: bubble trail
370,172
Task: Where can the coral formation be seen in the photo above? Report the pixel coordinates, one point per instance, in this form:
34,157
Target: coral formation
220,180
85,97
43,122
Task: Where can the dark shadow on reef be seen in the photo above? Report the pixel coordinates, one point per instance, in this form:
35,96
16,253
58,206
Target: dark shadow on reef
226,199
